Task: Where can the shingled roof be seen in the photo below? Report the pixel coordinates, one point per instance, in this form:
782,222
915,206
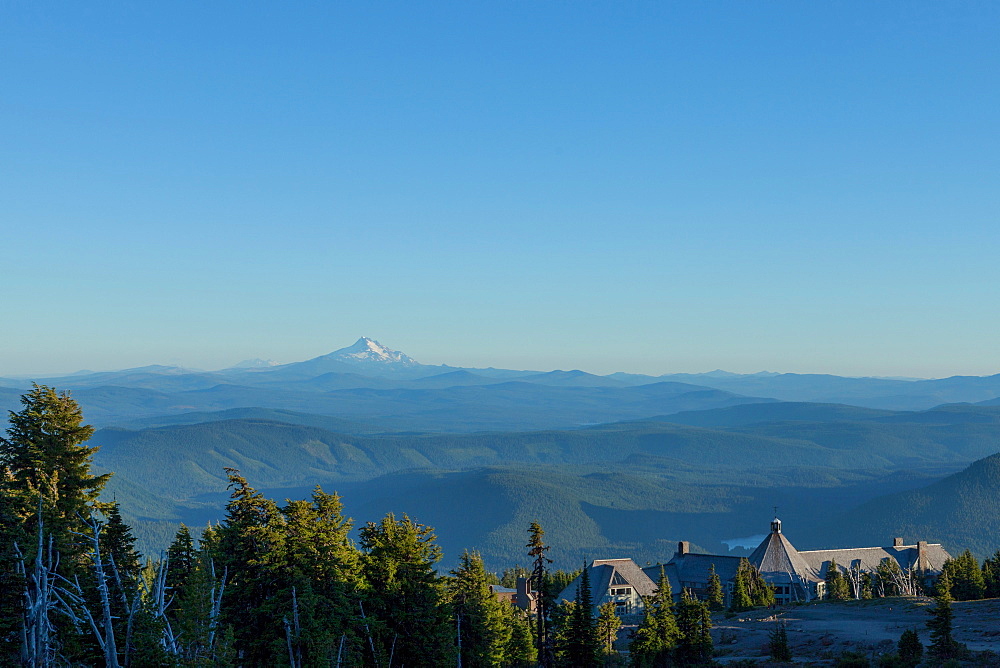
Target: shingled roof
604,572
908,556
779,562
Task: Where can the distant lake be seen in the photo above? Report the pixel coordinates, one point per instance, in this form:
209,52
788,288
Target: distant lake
748,543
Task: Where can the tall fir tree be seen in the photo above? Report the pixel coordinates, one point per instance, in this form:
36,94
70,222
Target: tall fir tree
182,558
47,495
537,550
582,644
910,650
44,457
654,641
405,594
716,594
608,625
778,647
837,588
966,576
991,576
943,644
694,623
250,539
484,625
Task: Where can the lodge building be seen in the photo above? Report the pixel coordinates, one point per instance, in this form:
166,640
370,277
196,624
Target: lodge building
795,575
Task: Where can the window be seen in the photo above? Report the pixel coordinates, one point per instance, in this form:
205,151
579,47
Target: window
621,591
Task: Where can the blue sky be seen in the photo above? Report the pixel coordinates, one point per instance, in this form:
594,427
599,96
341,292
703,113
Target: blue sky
648,187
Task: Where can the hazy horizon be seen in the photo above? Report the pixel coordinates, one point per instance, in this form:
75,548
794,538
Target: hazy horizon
648,188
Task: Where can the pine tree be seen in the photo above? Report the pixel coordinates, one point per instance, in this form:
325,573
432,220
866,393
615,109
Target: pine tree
44,456
716,595
943,645
181,561
837,588
741,591
583,645
483,623
537,550
694,622
778,646
750,590
405,595
520,649
657,635
608,624
510,575
251,538
966,576
46,487
991,576
911,651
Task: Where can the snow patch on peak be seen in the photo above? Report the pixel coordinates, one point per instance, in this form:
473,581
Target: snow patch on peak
256,363
365,351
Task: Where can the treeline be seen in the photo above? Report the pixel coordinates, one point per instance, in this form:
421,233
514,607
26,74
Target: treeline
270,585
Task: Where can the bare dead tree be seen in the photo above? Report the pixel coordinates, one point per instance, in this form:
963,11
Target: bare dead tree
854,575
293,630
40,601
105,638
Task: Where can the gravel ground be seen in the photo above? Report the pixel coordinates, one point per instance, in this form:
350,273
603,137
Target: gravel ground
818,632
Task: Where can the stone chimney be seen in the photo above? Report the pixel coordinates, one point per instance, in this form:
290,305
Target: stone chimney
897,542
523,586
683,547
922,562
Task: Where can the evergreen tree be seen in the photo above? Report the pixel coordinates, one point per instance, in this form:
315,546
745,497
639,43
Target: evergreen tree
47,493
483,621
778,647
250,539
562,615
44,457
405,595
716,595
582,643
510,575
991,576
694,623
943,645
182,558
657,635
537,550
750,590
966,577
11,582
911,651
837,588
741,590
520,649
608,624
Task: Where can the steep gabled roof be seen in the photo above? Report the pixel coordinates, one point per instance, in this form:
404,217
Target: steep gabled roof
603,572
778,560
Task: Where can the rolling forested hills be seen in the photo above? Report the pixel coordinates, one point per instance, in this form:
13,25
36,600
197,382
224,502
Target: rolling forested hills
623,462
694,483
962,510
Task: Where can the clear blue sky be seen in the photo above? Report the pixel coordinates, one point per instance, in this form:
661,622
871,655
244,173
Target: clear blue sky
637,186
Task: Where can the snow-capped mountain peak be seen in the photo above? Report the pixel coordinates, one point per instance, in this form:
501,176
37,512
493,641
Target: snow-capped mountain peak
367,350
256,363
